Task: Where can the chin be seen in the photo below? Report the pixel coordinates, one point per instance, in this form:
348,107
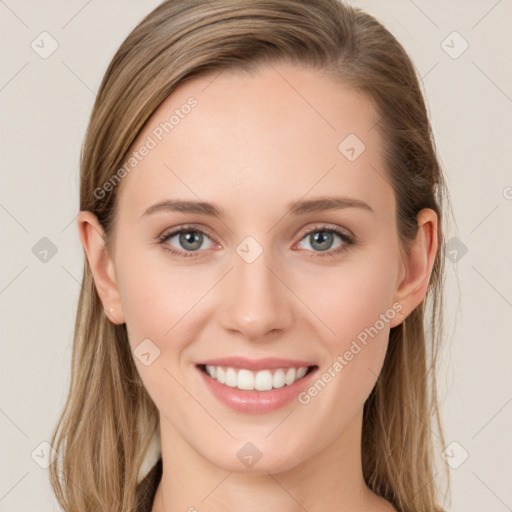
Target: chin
257,456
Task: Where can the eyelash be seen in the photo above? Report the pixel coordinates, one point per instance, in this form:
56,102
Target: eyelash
347,239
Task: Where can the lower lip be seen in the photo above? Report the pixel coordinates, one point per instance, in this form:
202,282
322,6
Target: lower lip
255,402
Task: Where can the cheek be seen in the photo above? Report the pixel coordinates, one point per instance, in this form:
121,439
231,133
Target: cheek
158,302
356,307
165,304
157,295
355,294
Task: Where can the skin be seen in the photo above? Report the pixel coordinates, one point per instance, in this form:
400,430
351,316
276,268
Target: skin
252,145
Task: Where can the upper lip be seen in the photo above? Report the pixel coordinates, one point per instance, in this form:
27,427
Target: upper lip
266,363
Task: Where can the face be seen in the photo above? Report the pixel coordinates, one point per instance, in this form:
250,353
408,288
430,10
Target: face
261,279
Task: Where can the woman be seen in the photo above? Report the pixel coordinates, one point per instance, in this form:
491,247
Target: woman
261,215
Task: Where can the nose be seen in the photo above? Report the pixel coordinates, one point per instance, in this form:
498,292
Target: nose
257,303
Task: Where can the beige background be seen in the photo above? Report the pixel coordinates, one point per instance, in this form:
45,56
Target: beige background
45,107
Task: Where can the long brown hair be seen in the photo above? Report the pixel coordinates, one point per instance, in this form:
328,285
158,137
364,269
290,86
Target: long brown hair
109,419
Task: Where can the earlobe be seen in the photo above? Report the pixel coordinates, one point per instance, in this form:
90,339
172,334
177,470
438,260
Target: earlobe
101,264
418,262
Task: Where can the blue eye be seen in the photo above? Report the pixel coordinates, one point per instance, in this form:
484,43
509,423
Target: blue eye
191,240
322,237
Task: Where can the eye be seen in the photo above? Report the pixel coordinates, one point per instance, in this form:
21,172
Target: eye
321,239
189,239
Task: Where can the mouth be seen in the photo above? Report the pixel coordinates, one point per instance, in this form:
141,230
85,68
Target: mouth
266,379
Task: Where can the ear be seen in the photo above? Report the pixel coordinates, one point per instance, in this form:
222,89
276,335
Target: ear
417,265
101,264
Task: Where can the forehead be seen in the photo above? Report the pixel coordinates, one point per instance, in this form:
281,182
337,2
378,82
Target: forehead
269,137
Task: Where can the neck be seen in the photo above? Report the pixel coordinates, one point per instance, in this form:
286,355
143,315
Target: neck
330,479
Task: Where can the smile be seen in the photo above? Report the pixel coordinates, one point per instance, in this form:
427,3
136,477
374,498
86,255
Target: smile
262,380
256,391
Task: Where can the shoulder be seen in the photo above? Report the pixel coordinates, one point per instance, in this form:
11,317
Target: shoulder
146,489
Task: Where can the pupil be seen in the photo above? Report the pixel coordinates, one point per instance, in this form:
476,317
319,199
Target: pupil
318,237
191,237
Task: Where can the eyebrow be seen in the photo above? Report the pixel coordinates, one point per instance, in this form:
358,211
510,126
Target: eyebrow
300,207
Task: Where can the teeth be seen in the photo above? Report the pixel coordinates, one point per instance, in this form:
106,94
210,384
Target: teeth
263,380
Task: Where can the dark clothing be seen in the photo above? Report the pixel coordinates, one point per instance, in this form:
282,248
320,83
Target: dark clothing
146,489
